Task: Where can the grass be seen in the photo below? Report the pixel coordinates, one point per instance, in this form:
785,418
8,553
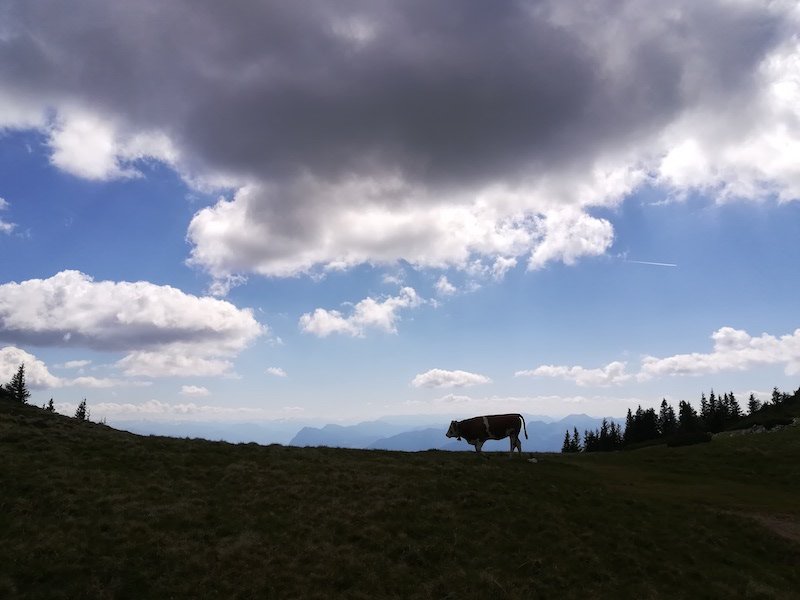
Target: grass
90,512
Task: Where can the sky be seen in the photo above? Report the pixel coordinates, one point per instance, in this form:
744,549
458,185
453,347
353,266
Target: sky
248,211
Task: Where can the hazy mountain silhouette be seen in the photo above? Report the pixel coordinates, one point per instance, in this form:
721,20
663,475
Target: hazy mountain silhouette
542,436
409,433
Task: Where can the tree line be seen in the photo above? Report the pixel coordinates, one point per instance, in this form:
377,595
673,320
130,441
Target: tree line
17,390
717,413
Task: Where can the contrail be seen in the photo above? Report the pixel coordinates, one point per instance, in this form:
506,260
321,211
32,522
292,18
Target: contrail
646,262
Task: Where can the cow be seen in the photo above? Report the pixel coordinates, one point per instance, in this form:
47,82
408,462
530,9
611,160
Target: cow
491,427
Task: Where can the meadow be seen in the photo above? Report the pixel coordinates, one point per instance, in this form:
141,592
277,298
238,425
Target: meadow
90,512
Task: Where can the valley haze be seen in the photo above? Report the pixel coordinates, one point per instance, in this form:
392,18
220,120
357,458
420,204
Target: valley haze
410,433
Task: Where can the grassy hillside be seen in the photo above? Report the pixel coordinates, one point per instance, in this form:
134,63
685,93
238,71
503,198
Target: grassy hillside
87,511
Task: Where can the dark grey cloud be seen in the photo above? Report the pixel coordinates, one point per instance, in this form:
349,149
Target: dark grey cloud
445,97
440,90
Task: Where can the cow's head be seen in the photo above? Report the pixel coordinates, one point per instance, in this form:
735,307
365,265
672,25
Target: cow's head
453,431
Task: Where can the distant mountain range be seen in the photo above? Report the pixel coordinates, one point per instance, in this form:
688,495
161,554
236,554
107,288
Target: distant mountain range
407,433
378,435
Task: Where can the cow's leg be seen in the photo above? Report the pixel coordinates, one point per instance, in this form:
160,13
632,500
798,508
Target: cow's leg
515,443
478,446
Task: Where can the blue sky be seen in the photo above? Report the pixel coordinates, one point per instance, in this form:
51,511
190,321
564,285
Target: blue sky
219,229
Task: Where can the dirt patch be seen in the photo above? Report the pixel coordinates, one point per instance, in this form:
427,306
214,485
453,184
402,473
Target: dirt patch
787,526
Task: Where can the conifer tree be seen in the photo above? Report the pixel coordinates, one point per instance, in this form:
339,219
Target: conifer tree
82,413
616,436
753,405
16,388
630,432
778,397
50,406
649,425
667,423
703,407
734,410
590,441
575,444
566,447
687,417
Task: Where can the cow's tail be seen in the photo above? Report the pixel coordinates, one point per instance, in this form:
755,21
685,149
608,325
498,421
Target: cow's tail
523,426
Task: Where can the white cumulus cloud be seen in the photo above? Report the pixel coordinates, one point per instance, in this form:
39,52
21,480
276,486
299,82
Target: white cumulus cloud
5,226
444,287
276,371
194,391
442,378
612,374
367,314
37,374
74,364
164,330
734,350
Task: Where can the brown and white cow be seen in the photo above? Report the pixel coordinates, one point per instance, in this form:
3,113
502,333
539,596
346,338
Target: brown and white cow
491,427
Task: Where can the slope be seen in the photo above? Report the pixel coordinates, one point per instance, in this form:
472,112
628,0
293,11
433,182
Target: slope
87,511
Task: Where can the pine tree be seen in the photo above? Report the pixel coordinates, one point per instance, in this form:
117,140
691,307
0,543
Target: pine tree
16,388
590,441
753,405
630,432
566,447
575,444
667,423
50,406
778,397
687,417
82,413
649,425
616,436
734,410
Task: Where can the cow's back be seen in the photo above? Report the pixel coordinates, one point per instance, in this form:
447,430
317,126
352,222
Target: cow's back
490,427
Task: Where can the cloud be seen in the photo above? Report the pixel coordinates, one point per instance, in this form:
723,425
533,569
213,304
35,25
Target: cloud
367,314
5,227
734,350
164,330
172,363
38,376
501,266
612,374
276,371
194,391
458,405
569,235
185,411
441,378
103,382
74,364
438,143
444,287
